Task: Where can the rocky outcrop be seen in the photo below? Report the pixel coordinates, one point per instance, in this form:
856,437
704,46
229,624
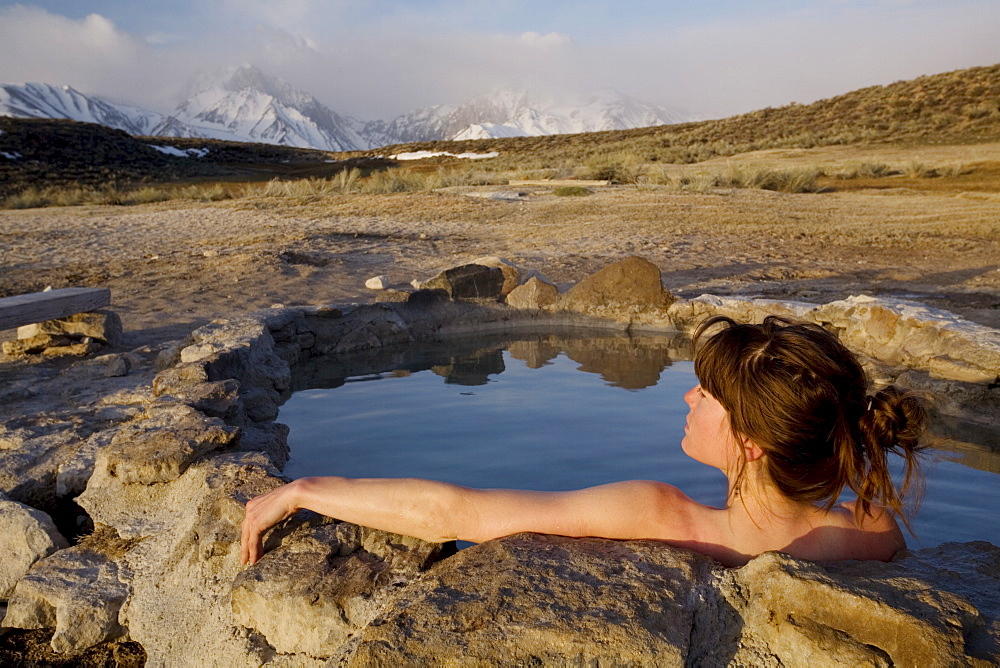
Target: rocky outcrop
530,599
512,274
325,582
164,472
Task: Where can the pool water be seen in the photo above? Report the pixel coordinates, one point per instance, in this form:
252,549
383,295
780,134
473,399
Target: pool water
554,413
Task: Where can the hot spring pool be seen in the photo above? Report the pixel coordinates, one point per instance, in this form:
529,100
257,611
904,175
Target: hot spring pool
553,413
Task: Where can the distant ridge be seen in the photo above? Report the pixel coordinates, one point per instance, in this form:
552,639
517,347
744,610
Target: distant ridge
244,104
957,106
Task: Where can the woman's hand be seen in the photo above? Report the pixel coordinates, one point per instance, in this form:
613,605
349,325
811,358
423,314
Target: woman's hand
262,513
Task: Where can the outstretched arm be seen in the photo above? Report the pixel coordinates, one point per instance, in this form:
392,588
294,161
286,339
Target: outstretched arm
438,512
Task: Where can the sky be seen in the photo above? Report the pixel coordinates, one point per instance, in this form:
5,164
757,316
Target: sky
377,59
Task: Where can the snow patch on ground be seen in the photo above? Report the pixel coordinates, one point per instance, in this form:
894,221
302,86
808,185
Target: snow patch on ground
185,153
11,156
420,155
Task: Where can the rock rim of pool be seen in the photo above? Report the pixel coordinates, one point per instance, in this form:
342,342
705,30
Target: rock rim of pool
163,469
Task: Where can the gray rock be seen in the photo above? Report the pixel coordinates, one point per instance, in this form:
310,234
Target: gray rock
79,591
161,447
511,272
26,535
468,281
538,600
324,583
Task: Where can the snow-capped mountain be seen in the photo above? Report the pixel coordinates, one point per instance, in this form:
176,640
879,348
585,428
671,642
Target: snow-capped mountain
39,100
515,113
244,104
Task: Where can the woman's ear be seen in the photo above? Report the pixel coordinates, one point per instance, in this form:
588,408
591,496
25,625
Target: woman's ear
751,451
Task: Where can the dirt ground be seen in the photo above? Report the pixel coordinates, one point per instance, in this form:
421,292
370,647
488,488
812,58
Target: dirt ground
174,266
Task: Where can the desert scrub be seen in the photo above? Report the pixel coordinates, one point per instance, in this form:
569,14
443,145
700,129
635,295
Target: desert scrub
801,180
571,191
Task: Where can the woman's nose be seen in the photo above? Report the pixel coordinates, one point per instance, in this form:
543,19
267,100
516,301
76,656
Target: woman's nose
690,395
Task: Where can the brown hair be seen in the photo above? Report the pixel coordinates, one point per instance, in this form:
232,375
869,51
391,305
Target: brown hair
801,396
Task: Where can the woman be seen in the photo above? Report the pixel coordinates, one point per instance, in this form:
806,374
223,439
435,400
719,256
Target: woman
782,409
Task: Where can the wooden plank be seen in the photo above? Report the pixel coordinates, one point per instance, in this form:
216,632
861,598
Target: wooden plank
41,306
556,183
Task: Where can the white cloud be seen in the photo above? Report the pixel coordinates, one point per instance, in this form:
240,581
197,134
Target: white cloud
40,46
380,59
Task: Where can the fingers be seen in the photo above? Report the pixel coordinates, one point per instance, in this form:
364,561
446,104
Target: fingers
261,514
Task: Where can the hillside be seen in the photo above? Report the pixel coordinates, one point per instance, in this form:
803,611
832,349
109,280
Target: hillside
961,107
48,152
955,107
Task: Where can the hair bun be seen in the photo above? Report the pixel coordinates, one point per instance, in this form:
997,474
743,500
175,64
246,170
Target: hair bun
895,420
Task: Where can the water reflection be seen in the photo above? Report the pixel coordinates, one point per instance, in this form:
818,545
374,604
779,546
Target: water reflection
628,362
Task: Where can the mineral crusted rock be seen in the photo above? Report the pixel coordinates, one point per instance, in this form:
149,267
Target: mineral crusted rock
628,288
897,333
688,314
468,281
161,447
863,615
530,599
79,591
188,556
534,294
907,334
537,600
26,535
102,326
324,583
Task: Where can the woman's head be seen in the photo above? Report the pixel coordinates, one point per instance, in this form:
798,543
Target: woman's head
801,396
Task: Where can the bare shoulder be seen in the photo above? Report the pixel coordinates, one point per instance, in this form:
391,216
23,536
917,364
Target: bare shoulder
880,534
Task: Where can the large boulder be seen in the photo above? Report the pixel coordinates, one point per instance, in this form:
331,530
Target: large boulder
511,272
536,600
531,599
630,289
469,281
